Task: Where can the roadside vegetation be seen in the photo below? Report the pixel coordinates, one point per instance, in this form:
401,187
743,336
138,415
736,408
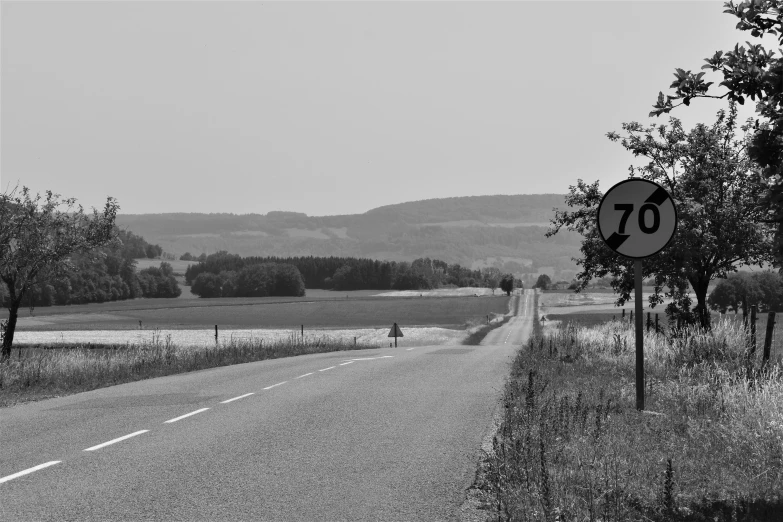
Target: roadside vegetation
42,372
573,447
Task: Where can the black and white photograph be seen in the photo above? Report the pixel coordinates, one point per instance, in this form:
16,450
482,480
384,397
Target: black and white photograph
391,261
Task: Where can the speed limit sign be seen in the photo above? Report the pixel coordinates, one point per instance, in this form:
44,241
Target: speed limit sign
637,218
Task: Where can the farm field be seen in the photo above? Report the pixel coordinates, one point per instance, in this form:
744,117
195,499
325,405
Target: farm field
264,313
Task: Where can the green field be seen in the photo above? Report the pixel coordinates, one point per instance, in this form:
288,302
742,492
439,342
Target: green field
265,312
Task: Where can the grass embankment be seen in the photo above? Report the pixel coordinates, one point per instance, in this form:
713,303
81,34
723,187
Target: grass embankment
40,372
572,445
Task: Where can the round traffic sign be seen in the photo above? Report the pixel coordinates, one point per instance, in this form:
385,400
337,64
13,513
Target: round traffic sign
637,218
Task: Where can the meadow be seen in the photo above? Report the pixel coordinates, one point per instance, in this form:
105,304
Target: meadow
573,447
264,313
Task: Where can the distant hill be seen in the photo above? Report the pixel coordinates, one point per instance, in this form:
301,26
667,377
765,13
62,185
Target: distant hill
475,231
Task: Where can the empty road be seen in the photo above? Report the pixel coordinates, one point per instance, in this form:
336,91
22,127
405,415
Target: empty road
389,434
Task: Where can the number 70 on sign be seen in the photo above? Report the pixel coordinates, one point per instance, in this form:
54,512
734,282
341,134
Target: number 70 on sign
637,218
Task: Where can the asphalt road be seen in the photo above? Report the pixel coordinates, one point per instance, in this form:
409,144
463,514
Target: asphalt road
518,328
390,434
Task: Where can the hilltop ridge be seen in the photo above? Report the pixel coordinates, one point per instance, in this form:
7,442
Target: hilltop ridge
506,231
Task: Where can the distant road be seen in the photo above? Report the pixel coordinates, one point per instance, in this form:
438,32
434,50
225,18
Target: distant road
389,434
518,328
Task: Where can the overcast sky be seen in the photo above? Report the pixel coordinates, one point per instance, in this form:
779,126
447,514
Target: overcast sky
335,108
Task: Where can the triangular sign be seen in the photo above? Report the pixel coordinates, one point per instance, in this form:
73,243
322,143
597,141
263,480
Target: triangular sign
395,331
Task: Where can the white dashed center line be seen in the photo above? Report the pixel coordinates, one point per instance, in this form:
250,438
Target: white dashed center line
343,364
305,375
237,398
119,439
329,368
186,415
28,471
278,384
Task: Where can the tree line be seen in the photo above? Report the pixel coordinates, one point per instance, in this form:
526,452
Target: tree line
338,273
103,274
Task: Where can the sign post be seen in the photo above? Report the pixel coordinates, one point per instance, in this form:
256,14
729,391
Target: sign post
637,219
395,332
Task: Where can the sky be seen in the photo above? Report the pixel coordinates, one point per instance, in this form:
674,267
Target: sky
336,107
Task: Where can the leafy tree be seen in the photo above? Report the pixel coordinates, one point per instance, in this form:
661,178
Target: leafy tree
187,256
543,282
491,277
37,237
742,290
207,284
755,73
507,283
712,182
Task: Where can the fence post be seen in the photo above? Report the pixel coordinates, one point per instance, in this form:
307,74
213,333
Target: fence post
768,337
216,335
656,324
623,313
354,342
649,322
631,319
302,332
753,330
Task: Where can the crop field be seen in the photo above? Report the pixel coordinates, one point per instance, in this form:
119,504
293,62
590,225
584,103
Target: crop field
265,313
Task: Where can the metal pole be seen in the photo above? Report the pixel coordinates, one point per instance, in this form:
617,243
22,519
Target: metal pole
637,268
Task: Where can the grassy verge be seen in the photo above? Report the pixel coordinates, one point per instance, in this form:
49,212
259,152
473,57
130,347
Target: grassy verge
572,445
42,372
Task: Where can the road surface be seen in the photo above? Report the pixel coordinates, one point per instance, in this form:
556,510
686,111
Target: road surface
518,327
389,434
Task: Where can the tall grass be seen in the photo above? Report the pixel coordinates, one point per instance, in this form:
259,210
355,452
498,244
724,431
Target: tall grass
43,372
572,445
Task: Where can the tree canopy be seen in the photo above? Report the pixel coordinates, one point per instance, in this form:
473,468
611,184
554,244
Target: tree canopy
755,73
713,184
37,237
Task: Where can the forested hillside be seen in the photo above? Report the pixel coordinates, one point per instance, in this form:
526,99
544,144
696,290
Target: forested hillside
506,232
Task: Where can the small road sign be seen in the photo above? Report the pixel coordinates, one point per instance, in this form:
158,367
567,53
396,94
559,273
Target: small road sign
637,218
395,331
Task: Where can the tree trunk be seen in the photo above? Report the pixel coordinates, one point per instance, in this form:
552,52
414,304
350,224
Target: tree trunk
8,339
702,312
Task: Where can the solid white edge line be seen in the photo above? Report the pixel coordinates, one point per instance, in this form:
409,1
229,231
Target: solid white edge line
409,349
329,368
29,470
305,375
237,398
186,415
343,364
278,384
119,439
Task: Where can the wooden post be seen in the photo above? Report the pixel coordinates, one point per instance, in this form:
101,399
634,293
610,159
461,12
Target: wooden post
302,332
140,327
753,330
623,313
216,335
649,322
632,316
768,337
354,342
656,324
